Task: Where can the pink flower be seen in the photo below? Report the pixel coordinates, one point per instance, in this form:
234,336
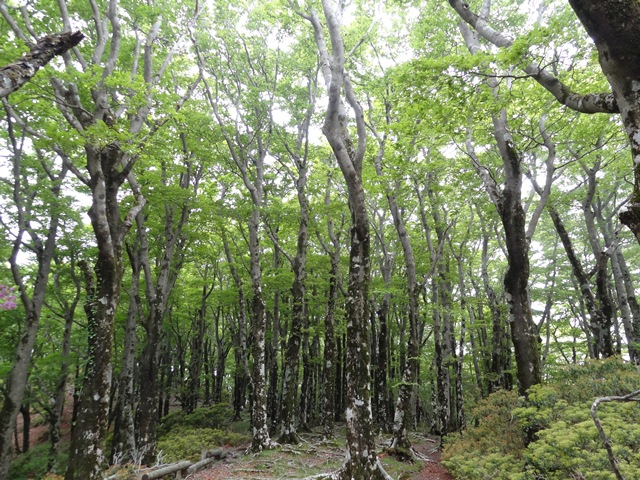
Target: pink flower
7,298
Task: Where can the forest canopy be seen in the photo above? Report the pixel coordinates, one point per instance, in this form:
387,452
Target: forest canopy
300,215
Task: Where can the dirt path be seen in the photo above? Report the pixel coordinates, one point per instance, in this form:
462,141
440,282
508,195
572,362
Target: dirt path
433,469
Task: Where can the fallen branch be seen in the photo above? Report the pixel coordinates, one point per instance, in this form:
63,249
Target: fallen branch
184,466
168,470
603,436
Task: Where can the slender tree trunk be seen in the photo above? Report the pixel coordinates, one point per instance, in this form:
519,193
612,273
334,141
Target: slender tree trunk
298,317
57,409
331,356
260,439
123,446
25,411
273,365
242,376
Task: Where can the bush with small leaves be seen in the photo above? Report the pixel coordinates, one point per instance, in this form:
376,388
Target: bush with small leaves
216,416
188,443
492,448
566,443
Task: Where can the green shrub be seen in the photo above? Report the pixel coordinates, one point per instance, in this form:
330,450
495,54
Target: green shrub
33,464
567,445
216,416
188,443
571,448
493,447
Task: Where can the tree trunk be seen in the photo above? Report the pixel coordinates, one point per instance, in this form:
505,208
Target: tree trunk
508,203
241,378
331,356
260,439
25,411
56,411
123,445
361,462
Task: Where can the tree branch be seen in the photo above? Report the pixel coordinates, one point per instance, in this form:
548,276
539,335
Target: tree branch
588,103
17,74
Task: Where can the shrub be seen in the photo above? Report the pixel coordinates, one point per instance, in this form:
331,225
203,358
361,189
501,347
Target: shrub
188,443
216,416
33,464
567,445
493,447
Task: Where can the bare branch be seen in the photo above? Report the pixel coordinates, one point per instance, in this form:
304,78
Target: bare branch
631,397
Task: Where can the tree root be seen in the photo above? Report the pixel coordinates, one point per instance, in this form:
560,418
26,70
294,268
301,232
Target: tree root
269,445
343,474
291,438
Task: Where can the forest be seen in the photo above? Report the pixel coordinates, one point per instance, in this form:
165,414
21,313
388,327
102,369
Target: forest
277,225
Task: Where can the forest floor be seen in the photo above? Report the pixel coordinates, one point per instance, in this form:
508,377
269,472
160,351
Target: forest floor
310,457
314,456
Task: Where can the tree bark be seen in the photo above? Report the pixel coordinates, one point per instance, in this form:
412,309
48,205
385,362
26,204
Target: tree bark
123,445
17,74
613,24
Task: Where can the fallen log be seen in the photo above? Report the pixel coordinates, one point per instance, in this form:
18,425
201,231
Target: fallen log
168,470
198,465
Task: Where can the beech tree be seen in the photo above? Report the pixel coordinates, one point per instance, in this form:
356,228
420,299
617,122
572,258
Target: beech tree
34,233
362,461
109,162
219,217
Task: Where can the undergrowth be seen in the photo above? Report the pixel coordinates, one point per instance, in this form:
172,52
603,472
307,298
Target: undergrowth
33,463
566,444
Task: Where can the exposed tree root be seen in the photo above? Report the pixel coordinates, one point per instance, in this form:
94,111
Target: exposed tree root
291,438
344,474
268,445
404,454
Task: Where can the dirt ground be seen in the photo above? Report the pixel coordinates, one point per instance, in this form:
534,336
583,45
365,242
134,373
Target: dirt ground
292,463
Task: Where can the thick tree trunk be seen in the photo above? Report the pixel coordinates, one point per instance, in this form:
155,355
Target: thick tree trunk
516,280
87,453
